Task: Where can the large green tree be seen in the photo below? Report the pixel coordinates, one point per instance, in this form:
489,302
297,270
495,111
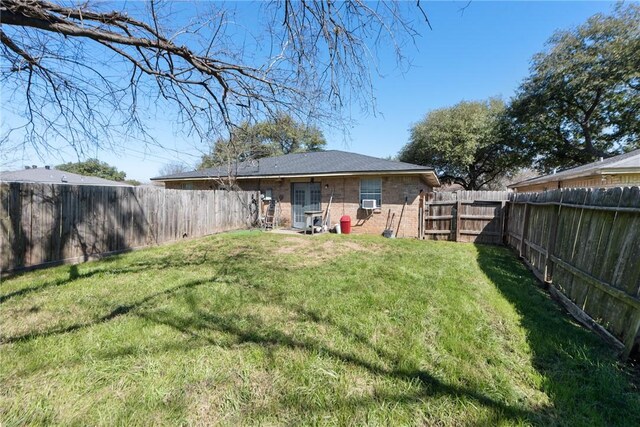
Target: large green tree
277,136
466,143
94,167
582,99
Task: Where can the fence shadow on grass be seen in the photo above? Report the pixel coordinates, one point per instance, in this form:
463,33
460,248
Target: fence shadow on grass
116,312
582,375
88,270
119,310
73,275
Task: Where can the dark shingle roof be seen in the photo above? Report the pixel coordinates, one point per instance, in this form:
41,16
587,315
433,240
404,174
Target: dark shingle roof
626,160
54,176
313,163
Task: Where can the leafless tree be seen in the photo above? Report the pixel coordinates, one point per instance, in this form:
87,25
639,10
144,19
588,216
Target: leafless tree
81,75
173,168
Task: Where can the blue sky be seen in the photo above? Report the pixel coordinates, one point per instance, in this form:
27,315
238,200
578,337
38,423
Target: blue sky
482,52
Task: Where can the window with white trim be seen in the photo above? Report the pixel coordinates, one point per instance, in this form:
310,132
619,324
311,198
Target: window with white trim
371,188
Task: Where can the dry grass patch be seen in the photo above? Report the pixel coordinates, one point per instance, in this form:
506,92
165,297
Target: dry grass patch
315,251
290,245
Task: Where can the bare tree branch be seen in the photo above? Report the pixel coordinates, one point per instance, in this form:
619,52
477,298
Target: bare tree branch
87,77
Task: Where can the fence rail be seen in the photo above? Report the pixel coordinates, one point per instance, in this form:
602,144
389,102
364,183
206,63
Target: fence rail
586,244
50,223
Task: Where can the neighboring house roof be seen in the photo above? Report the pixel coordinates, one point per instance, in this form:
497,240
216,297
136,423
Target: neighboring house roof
623,163
317,163
54,176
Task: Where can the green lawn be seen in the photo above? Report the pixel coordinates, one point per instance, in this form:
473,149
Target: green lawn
260,328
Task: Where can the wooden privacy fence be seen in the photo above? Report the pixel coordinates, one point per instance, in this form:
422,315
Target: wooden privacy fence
463,216
49,223
586,244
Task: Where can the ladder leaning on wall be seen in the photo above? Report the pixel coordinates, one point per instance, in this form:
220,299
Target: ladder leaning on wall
272,215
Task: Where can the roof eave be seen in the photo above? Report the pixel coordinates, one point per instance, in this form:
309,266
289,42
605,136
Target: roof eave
427,174
626,170
88,184
553,178
432,179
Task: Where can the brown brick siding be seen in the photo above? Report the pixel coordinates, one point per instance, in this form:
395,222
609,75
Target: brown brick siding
346,200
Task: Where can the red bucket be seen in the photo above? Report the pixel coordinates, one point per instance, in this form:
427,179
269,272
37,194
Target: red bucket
345,224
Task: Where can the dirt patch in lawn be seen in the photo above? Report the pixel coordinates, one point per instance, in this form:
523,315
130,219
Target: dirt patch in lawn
358,247
291,245
340,247
313,252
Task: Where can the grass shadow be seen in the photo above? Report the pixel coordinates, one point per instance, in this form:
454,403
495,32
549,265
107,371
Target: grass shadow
73,275
582,379
224,267
116,312
582,375
102,268
251,330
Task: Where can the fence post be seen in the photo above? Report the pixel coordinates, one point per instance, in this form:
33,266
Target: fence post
525,226
634,327
458,209
421,216
551,242
503,221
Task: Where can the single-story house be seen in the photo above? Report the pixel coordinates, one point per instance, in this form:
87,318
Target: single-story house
47,175
617,171
368,189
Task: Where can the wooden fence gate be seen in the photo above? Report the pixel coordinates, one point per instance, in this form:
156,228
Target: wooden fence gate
464,216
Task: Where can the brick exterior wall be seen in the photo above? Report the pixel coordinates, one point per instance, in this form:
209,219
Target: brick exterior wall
346,200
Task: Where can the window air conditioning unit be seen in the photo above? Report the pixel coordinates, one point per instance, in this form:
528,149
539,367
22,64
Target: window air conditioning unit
369,204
